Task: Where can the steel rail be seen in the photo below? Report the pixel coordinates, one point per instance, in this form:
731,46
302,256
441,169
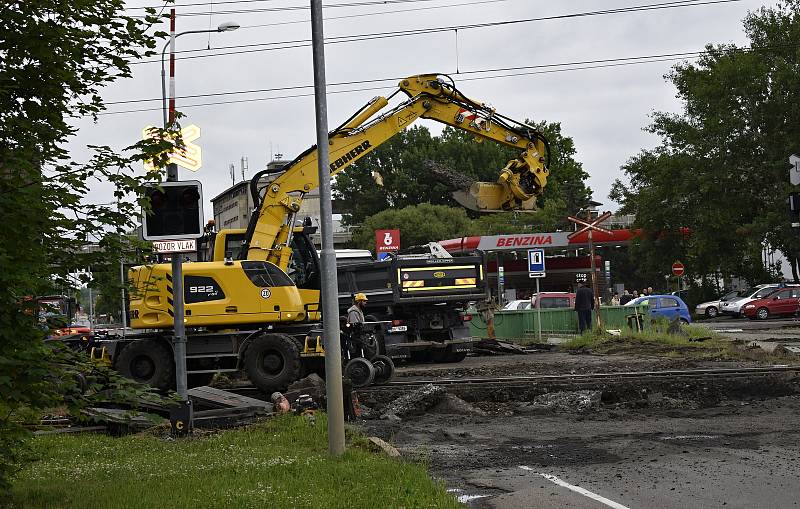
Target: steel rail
593,377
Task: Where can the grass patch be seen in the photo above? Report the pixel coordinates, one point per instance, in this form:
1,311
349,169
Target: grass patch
280,463
699,343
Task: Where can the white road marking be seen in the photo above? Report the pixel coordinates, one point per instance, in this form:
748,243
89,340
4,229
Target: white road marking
577,489
689,437
466,498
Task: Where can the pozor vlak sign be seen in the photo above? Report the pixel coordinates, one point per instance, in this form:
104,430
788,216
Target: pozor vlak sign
386,241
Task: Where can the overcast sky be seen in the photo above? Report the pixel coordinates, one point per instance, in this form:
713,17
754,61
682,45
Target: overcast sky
602,109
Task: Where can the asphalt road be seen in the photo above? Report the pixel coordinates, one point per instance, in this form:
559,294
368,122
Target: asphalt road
778,330
735,455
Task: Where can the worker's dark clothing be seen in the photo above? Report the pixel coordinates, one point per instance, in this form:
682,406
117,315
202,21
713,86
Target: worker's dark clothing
624,299
584,303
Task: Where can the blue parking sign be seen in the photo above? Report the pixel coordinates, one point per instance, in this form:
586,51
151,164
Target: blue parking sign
536,262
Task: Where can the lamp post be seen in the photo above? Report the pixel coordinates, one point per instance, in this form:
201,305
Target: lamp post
228,26
179,332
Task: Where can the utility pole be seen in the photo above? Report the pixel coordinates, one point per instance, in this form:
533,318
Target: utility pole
179,329
330,290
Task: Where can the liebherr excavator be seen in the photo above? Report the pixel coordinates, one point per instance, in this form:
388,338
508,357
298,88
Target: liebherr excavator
248,312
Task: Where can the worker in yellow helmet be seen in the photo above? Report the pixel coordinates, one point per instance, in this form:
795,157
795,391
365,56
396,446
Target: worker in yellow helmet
356,312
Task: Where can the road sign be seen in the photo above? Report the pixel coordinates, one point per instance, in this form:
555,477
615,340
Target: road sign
175,246
189,157
678,269
386,241
794,171
536,263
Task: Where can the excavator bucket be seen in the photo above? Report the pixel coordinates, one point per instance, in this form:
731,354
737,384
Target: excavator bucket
491,197
481,196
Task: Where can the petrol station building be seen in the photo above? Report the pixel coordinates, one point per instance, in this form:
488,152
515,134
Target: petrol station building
566,259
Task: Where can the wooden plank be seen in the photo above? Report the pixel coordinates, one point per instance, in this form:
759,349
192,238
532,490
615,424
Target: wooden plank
217,398
71,429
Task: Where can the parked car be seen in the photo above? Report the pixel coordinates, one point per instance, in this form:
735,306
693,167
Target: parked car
711,308
781,302
514,305
734,307
667,306
552,300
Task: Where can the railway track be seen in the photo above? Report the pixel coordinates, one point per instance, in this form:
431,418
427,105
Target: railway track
585,379
589,378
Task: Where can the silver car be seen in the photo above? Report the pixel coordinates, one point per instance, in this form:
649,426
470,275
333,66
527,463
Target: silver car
734,307
711,308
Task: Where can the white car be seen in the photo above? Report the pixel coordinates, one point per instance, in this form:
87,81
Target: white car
515,305
734,307
711,308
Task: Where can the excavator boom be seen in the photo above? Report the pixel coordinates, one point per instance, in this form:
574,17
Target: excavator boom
431,96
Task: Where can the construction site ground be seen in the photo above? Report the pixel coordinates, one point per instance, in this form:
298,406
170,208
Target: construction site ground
660,443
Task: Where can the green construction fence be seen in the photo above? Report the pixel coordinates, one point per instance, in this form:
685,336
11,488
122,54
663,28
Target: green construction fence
523,324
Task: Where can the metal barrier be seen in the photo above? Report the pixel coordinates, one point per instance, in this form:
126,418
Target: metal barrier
522,324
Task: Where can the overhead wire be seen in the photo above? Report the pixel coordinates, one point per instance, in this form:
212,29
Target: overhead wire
297,43
374,88
507,72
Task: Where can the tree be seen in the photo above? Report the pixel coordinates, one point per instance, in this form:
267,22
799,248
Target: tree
407,181
418,224
57,55
721,169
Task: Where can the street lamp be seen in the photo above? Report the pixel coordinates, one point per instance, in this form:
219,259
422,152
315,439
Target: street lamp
228,26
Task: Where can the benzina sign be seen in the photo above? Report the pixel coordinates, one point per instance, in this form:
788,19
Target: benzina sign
494,242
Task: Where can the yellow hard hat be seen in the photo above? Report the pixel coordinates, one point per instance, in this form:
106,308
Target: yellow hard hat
360,297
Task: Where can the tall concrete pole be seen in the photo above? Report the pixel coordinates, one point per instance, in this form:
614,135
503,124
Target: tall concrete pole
330,290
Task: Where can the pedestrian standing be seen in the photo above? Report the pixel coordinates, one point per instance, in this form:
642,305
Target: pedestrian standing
649,290
626,297
615,301
584,304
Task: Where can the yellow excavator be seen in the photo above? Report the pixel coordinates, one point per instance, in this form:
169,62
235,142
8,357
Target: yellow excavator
252,310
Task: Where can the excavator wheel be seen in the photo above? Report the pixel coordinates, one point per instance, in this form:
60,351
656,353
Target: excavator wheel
360,371
148,362
272,362
384,369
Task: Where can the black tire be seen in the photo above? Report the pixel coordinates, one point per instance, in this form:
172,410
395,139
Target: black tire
199,379
384,369
149,362
360,371
272,362
762,313
712,312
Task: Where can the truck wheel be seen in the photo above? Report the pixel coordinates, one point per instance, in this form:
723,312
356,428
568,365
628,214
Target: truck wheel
198,379
149,362
272,362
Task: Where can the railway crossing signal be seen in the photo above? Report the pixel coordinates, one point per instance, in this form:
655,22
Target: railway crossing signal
592,226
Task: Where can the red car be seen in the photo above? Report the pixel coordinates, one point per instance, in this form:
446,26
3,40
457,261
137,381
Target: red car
783,301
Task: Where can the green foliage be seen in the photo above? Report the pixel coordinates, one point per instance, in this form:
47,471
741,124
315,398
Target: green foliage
57,55
721,168
418,224
406,180
281,463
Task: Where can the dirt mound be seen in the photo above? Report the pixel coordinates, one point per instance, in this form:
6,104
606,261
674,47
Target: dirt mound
455,405
414,403
579,402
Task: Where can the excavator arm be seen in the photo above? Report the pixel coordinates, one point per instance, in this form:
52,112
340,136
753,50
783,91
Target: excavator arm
432,96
